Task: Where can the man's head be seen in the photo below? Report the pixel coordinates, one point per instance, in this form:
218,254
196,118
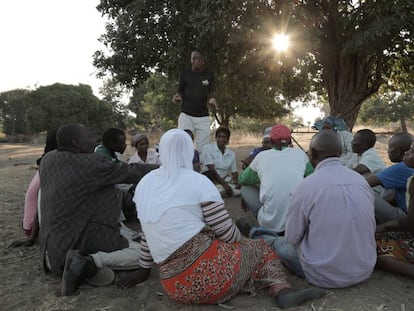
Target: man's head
363,140
280,136
325,144
114,139
222,136
190,132
74,138
197,60
398,144
409,156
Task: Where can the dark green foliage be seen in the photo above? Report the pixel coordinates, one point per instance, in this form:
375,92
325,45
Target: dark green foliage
12,111
152,104
48,107
390,107
344,50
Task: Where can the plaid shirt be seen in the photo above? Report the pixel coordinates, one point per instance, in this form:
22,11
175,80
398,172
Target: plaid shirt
80,206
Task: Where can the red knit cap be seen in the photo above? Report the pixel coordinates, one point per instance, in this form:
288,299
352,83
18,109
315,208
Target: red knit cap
280,132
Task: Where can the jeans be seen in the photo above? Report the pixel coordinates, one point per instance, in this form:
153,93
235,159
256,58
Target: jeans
287,251
385,212
250,195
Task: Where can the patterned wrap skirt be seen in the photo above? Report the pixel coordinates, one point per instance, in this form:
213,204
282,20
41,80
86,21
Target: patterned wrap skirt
396,244
209,271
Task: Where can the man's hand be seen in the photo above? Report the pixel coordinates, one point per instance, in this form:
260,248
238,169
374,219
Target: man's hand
133,278
177,99
228,189
212,101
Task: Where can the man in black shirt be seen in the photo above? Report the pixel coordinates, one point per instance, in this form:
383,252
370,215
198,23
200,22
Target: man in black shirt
195,92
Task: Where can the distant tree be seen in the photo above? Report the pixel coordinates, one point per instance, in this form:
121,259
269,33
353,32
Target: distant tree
390,107
151,102
12,111
48,107
113,93
345,49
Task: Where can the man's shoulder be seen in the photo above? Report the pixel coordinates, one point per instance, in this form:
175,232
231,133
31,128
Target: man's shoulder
396,169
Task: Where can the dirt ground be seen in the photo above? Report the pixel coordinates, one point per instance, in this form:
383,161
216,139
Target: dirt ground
24,285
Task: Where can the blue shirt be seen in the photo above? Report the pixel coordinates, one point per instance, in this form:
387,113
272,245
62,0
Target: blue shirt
395,177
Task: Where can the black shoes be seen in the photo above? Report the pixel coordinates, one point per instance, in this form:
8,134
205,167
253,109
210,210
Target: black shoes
77,269
243,225
295,298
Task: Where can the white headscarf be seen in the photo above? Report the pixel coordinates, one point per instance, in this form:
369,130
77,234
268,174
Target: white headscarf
174,183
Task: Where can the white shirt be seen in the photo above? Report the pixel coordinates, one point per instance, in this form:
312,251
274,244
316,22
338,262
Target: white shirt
223,163
370,159
279,172
152,158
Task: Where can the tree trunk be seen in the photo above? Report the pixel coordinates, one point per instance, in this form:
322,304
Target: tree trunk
403,124
349,77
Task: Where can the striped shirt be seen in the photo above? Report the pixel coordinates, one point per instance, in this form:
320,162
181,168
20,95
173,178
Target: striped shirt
215,216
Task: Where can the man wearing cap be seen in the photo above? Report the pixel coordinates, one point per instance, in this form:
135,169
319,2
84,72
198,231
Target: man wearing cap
266,145
277,170
330,225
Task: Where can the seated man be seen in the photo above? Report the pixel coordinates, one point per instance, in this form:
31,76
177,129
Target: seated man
395,239
113,141
266,145
330,224
365,158
80,209
278,171
219,163
394,177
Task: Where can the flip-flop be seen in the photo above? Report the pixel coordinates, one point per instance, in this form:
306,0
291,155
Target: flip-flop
103,277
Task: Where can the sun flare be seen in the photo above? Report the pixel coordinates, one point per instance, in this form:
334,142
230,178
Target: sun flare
280,42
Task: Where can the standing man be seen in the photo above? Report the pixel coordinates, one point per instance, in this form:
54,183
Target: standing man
195,91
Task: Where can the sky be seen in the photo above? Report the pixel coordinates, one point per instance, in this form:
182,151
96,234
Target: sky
52,41
49,41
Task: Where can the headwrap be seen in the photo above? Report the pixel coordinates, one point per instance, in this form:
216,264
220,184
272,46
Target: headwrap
174,183
281,133
136,137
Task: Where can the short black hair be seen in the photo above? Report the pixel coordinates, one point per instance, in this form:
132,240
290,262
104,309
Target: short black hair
368,137
223,129
111,135
189,132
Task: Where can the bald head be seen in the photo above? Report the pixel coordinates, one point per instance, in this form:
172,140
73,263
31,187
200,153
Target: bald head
74,138
325,144
398,144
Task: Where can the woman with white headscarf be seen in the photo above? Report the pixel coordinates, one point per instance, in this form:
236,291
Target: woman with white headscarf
142,155
201,255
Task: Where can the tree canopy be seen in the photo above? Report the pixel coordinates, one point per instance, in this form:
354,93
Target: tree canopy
390,107
48,107
343,49
12,111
